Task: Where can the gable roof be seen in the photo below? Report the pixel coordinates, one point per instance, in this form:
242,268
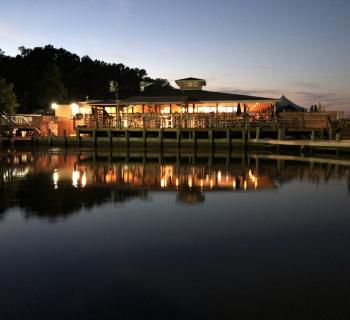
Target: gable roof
190,79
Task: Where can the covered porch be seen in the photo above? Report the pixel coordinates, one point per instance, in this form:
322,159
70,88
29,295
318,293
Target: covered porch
174,114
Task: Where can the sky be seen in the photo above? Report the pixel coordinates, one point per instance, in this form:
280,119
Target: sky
300,48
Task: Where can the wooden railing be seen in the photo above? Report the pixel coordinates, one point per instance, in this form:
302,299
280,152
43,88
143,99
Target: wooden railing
175,120
315,120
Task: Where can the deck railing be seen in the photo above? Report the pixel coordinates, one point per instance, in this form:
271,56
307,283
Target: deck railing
176,120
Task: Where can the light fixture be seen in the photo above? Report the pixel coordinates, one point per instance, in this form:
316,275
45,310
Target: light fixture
75,108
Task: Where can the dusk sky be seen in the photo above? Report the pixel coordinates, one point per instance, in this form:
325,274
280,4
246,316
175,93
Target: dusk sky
300,48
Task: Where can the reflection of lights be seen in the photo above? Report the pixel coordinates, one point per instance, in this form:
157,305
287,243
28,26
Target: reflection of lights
83,180
20,173
177,182
190,183
75,178
163,183
211,183
24,158
219,176
253,178
245,184
234,184
202,183
55,178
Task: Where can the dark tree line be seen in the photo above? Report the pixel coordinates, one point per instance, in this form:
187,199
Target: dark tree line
45,74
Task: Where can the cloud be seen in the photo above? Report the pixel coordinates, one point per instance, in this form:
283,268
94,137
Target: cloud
8,31
331,99
260,67
253,92
306,84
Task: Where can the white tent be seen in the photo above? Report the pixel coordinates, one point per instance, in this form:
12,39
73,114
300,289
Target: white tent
284,104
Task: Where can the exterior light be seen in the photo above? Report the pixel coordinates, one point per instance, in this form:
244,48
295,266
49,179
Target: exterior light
54,105
75,108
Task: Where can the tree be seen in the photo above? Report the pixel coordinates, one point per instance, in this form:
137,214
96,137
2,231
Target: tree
50,87
8,100
43,74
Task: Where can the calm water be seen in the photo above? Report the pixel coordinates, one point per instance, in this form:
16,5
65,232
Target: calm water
173,236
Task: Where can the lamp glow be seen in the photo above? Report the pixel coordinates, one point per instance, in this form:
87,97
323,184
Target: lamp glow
75,108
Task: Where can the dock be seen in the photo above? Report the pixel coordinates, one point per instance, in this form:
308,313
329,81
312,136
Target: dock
191,138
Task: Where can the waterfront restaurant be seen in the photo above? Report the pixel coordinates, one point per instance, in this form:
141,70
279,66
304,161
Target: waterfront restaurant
188,106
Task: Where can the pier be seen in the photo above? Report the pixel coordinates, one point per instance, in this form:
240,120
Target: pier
300,131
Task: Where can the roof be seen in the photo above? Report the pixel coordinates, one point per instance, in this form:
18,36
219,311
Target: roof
177,96
190,79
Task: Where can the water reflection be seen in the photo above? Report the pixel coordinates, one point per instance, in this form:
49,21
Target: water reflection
56,185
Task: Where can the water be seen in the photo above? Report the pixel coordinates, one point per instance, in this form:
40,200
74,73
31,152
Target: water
201,236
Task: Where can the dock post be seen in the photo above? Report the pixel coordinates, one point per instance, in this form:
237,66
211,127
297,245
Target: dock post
161,135
50,138
228,136
337,136
65,137
94,137
211,137
194,137
280,134
127,135
330,133
144,137
109,133
178,138
78,137
313,135
257,136
244,136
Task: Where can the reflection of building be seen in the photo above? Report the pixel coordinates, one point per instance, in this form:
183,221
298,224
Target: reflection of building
70,181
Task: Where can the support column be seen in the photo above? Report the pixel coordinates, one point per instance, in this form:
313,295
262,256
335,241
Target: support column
280,134
211,137
65,137
258,130
313,135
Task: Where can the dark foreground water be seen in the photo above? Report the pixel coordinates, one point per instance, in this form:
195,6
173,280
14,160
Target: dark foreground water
173,236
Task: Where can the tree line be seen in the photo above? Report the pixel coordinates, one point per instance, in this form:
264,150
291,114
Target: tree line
45,74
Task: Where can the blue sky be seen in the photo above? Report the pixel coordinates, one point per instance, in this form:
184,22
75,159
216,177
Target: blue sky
300,48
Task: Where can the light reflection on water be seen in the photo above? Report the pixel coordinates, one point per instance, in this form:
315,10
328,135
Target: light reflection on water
169,236
189,175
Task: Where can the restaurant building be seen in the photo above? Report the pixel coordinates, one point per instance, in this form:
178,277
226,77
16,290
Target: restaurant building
187,106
